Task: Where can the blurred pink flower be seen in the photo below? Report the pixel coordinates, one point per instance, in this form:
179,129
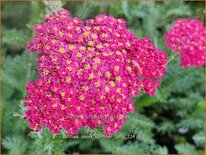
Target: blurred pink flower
187,36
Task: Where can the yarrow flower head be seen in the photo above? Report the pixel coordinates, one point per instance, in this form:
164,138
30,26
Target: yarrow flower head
187,37
88,73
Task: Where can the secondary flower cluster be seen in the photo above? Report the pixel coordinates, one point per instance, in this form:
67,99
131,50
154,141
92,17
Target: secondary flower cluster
88,73
187,37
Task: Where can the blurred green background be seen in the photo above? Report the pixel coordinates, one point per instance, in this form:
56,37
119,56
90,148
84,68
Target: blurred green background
170,122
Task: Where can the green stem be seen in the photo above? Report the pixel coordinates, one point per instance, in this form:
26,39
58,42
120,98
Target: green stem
49,149
28,71
39,135
172,57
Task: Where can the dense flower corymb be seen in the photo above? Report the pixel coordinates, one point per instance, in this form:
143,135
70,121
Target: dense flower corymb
187,37
88,74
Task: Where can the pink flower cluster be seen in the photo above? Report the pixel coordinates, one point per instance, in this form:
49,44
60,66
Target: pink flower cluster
187,37
88,73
